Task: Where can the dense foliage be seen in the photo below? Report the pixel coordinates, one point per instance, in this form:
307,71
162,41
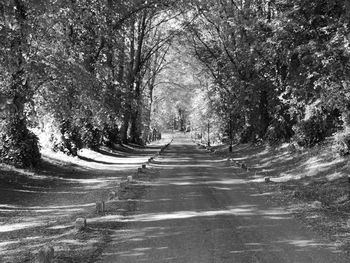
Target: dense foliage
77,73
87,73
279,69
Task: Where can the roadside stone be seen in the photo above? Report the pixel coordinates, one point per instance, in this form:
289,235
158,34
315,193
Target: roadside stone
316,204
80,224
267,180
100,207
130,179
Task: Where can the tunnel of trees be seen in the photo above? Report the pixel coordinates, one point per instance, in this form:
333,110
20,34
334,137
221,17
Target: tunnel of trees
87,73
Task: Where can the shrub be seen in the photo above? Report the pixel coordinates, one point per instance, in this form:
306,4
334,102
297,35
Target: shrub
111,134
311,131
18,145
342,142
71,140
279,131
90,136
247,134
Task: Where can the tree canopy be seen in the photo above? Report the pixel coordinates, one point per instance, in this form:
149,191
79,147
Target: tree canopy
86,73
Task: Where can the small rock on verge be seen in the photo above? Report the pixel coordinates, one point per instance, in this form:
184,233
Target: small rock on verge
316,204
80,224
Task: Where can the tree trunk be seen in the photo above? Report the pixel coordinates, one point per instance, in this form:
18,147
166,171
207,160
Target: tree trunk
136,119
264,112
129,86
121,62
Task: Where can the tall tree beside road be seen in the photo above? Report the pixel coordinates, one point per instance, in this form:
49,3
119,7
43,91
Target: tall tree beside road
18,146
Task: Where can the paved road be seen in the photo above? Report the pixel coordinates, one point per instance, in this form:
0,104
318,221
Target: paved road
198,210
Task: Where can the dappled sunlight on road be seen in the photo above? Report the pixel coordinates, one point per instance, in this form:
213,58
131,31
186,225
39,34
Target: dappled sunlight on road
159,238
176,215
209,211
199,180
192,208
304,243
244,210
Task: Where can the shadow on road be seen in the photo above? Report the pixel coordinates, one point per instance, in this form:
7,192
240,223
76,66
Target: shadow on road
200,210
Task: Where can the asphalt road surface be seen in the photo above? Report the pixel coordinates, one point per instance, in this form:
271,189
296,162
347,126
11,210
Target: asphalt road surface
198,210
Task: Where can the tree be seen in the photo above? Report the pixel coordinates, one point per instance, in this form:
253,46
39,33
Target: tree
18,146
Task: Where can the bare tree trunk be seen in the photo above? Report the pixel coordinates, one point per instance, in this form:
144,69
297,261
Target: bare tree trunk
136,113
129,85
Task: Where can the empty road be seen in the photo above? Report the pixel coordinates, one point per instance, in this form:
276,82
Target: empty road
199,210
